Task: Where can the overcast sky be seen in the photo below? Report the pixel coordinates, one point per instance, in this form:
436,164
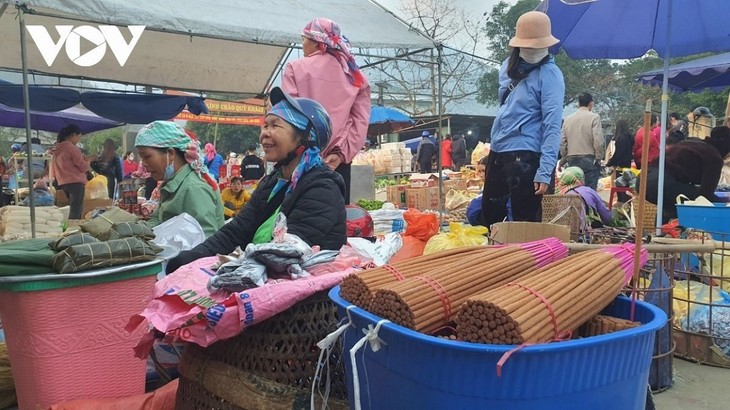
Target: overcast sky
475,8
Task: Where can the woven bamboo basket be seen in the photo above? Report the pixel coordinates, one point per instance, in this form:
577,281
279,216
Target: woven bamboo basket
566,210
269,366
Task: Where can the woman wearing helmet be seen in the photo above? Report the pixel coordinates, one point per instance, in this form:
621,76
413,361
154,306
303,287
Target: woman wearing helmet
302,187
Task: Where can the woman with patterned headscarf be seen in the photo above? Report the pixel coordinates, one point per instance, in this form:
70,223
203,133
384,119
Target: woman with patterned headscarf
213,160
329,75
302,188
571,182
170,155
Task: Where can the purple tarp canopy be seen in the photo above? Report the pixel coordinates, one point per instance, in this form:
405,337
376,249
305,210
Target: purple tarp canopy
54,121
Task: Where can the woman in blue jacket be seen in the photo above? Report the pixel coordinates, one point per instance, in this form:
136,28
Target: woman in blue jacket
526,132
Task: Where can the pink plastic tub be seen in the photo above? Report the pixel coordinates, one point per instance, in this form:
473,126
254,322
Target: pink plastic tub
65,333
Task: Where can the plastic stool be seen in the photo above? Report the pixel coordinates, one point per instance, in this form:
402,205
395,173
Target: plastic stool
614,190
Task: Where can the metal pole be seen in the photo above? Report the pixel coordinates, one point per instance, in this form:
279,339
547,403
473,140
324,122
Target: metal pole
439,62
663,135
26,106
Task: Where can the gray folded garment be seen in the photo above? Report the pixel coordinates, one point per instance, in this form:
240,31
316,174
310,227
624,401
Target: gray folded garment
238,275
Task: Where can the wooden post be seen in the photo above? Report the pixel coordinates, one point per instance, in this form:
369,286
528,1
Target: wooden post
642,201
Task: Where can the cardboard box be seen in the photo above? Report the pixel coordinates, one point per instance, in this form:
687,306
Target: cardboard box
457,184
397,195
422,198
91,204
518,232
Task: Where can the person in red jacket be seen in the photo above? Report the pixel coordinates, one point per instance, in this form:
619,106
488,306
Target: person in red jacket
446,162
654,136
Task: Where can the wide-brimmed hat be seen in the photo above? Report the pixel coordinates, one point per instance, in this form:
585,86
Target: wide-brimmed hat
533,30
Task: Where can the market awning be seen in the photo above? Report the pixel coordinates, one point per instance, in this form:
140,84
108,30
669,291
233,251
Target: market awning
54,121
128,108
227,46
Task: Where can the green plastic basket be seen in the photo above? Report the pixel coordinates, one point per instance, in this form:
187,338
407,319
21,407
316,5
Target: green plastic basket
52,281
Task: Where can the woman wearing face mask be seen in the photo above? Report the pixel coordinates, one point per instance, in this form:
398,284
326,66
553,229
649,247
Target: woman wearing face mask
302,187
329,75
170,155
526,132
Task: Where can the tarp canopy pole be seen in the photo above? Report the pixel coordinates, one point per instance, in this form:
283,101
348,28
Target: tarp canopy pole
439,62
26,103
394,58
663,127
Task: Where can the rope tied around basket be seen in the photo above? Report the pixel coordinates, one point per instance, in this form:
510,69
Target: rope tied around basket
371,337
326,345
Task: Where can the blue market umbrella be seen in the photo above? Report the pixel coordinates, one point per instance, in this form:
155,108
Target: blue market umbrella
384,120
630,28
708,73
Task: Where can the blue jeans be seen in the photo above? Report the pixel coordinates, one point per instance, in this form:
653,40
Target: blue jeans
590,166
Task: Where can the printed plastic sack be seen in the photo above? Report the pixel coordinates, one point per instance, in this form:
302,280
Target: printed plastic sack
456,199
182,232
459,236
420,224
381,251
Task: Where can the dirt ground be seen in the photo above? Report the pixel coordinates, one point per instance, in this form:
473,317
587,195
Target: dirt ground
696,386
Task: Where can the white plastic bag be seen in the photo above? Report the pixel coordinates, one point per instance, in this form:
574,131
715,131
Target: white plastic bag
183,232
380,251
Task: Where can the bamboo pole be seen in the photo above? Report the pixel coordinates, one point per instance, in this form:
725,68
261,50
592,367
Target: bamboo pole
642,204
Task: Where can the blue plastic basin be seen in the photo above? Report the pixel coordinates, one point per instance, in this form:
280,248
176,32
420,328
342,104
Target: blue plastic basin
416,371
708,218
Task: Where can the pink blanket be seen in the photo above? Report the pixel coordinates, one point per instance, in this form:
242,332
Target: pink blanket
181,305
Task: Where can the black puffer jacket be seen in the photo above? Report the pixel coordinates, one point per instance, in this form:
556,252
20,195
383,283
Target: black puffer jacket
314,210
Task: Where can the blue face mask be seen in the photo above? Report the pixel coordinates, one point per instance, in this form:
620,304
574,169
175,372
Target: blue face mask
169,172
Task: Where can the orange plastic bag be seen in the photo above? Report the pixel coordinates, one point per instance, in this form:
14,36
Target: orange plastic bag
411,248
420,224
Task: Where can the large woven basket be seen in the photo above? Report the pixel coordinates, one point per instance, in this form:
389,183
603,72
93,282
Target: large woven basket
269,366
566,210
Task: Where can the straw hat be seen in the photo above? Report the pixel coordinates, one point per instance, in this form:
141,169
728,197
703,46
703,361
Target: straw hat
533,31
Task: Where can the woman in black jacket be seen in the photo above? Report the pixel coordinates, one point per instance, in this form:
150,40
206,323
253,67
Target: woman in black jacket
307,192
624,146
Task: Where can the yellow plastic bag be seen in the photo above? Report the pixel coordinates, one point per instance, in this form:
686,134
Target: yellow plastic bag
687,292
96,188
480,151
459,236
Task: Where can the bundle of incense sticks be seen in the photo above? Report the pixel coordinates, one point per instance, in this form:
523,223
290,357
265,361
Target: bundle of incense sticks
429,300
550,302
358,288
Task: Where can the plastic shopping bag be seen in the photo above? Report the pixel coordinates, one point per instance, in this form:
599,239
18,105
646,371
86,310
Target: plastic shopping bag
420,224
459,236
